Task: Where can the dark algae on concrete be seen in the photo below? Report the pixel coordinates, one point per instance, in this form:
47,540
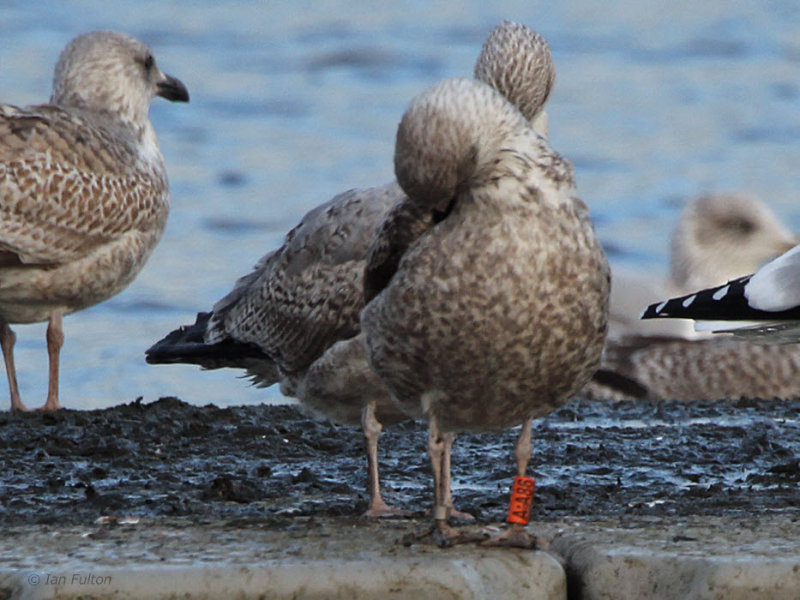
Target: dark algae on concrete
169,459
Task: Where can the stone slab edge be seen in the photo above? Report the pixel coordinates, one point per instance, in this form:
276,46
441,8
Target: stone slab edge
513,575
598,571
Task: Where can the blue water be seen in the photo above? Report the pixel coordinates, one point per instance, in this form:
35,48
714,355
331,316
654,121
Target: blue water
293,102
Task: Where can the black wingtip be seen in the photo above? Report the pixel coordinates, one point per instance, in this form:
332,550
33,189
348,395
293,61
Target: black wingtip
726,302
621,383
181,343
187,345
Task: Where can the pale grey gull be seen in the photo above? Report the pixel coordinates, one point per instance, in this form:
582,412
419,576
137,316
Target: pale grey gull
295,318
83,190
719,236
498,313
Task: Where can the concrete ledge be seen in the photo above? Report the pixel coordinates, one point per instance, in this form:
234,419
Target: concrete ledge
641,558
512,575
714,559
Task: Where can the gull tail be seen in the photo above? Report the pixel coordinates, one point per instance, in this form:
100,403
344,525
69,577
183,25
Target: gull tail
186,345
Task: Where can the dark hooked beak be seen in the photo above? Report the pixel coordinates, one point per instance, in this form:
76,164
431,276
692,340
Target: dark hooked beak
172,89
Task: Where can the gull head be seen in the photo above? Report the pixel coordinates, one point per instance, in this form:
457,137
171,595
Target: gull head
516,61
449,139
113,74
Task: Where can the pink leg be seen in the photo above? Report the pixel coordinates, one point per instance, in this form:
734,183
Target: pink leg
522,451
438,450
372,431
447,492
55,339
516,535
7,340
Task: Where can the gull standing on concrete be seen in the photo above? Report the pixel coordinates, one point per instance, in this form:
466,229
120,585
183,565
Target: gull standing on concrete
83,190
295,318
498,313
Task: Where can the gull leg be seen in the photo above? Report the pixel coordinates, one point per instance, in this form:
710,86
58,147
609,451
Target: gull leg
443,534
516,535
447,492
7,340
372,431
522,451
55,339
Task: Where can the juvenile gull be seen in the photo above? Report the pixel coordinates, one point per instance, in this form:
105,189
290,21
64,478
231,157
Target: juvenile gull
497,314
718,237
83,189
295,318
670,368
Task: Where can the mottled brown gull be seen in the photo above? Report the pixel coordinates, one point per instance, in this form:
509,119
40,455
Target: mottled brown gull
670,368
497,314
295,318
83,189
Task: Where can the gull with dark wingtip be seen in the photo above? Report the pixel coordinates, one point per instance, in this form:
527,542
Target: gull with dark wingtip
295,318
764,306
718,237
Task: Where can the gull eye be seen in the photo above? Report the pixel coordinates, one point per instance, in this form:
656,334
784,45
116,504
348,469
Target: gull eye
148,62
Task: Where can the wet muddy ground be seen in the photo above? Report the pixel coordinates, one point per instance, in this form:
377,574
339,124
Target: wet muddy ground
270,464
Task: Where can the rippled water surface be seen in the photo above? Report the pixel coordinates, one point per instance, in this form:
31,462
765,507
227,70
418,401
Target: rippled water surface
293,102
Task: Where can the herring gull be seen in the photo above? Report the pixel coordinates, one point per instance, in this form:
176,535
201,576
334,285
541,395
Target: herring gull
718,236
497,314
83,190
295,319
763,306
671,368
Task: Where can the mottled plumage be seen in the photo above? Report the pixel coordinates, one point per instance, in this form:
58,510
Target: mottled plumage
498,313
301,304
516,61
83,189
669,368
286,306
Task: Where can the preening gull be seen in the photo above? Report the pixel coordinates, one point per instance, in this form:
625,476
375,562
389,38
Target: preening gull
764,306
497,314
295,319
83,189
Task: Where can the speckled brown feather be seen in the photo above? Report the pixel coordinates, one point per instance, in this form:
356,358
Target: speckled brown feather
406,222
286,306
83,190
499,312
669,368
68,185
305,297
512,56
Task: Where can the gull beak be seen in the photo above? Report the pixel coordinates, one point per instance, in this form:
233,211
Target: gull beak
172,89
